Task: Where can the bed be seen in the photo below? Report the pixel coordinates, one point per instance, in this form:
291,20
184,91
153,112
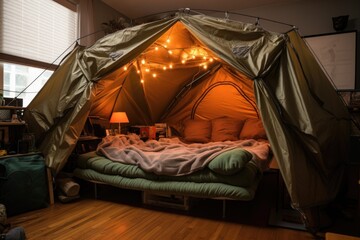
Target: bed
210,160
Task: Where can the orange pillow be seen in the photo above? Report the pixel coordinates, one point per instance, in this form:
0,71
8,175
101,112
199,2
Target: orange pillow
226,129
197,130
253,129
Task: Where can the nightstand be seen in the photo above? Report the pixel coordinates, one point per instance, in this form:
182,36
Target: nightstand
87,144
84,144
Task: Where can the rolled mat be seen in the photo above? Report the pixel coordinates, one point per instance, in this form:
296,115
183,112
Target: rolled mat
68,187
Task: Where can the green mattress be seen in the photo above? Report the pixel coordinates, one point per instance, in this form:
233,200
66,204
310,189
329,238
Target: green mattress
231,175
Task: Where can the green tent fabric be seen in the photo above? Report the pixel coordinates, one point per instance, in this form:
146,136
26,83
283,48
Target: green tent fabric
251,73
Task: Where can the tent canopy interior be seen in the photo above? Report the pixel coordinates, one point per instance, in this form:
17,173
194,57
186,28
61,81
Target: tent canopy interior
195,66
174,77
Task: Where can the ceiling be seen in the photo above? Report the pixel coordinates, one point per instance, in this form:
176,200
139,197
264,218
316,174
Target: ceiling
141,8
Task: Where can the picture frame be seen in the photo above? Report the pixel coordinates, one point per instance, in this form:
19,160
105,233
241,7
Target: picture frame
336,53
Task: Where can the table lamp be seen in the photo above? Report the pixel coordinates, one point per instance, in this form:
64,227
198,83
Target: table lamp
119,117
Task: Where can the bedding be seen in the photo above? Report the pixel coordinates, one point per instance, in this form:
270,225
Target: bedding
224,169
253,128
226,129
197,131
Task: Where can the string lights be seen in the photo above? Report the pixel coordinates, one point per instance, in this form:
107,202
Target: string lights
161,57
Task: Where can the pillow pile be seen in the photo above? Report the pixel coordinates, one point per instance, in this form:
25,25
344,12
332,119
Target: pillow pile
226,129
197,130
222,129
253,129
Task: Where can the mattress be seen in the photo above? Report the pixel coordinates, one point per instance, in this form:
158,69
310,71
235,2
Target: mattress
233,174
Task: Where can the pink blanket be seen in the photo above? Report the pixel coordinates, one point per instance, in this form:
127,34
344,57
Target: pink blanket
172,156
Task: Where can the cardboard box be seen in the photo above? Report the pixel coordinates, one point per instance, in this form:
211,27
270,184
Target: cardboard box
145,132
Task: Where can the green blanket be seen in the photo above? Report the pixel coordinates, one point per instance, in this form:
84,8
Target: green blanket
233,174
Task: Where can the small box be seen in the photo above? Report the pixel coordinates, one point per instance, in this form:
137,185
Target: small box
145,132
161,130
5,115
148,132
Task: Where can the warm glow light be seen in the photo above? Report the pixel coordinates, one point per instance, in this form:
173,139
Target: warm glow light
194,52
196,55
125,68
119,117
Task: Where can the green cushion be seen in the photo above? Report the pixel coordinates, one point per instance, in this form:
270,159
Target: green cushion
230,162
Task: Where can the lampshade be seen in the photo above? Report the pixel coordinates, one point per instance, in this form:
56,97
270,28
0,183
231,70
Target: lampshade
119,117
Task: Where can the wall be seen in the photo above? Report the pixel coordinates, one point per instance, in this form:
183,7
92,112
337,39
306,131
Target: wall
310,17
103,13
315,17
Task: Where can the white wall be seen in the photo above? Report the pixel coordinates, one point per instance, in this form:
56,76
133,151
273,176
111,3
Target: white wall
312,18
103,13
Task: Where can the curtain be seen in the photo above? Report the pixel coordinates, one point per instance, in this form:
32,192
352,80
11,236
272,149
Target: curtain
86,20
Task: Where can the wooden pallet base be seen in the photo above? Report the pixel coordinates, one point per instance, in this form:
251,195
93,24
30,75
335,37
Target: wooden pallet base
166,200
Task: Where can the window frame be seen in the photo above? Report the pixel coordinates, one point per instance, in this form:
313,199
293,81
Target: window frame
11,59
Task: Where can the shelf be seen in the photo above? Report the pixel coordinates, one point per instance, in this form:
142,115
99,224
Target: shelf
12,108
12,123
88,138
20,155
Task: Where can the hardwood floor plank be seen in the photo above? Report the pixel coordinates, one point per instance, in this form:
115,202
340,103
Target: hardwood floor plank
92,219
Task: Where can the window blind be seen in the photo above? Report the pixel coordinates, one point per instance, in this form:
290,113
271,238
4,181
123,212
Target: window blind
39,30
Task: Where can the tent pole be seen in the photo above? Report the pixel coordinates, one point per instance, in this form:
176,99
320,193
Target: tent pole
199,11
187,86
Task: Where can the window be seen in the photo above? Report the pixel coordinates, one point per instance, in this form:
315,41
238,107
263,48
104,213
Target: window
34,36
23,82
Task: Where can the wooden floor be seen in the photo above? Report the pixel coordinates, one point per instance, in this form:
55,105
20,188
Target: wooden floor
102,219
121,214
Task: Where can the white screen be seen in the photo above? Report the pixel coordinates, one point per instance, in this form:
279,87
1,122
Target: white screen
337,55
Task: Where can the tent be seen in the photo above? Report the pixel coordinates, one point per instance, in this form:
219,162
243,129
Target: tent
196,66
